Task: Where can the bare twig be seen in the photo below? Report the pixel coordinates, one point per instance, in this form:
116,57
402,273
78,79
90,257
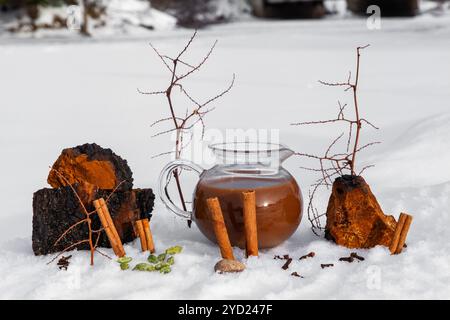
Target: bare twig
332,165
87,220
182,124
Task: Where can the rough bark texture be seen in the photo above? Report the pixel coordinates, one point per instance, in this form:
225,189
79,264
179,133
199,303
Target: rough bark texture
91,166
55,210
354,217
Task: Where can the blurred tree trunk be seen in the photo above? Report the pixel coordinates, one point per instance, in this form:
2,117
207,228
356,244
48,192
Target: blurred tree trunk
84,30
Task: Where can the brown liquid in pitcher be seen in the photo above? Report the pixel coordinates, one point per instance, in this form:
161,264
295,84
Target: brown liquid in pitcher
278,207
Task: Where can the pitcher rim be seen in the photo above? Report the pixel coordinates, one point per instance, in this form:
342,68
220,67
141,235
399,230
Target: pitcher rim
228,147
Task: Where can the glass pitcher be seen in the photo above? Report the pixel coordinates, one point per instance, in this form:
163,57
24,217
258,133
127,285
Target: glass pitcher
243,167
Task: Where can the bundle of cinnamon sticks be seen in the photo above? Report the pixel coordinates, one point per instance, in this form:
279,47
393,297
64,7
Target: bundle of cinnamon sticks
401,232
141,227
108,225
220,230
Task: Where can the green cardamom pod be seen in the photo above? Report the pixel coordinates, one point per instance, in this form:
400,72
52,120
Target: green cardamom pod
162,257
171,261
150,268
124,260
165,269
161,265
174,250
152,258
142,267
124,266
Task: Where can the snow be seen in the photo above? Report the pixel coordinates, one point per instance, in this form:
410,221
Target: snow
138,13
123,17
54,93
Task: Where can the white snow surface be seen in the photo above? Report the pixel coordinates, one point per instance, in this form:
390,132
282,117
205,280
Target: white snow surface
61,94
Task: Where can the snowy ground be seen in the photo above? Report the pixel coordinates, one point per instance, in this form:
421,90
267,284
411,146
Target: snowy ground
54,94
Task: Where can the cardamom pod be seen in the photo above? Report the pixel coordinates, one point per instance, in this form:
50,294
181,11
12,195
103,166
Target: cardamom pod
152,258
124,260
142,267
174,250
161,265
124,266
150,268
162,257
165,269
171,261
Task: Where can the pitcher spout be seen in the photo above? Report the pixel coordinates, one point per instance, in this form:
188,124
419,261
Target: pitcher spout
285,153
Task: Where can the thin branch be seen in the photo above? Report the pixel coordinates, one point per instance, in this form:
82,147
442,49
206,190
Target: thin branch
187,45
86,220
68,230
332,165
103,254
150,93
68,248
197,67
182,124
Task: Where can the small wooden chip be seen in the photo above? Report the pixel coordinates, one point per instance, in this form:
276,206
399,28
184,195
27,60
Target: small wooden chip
356,256
296,274
309,255
286,265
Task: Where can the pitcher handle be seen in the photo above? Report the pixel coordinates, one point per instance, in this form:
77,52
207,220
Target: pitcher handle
164,177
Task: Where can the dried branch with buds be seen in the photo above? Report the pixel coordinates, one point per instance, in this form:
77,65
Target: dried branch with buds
179,70
334,164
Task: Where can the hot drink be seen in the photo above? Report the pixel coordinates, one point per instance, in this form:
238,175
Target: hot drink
244,167
278,201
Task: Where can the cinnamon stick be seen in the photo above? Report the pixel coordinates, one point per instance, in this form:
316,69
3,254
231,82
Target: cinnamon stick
398,230
404,233
107,215
141,234
251,232
220,229
118,251
148,235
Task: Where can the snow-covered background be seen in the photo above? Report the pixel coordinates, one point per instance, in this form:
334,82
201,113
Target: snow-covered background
56,94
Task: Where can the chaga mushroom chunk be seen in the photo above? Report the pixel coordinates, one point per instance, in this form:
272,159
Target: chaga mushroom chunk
354,217
90,166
